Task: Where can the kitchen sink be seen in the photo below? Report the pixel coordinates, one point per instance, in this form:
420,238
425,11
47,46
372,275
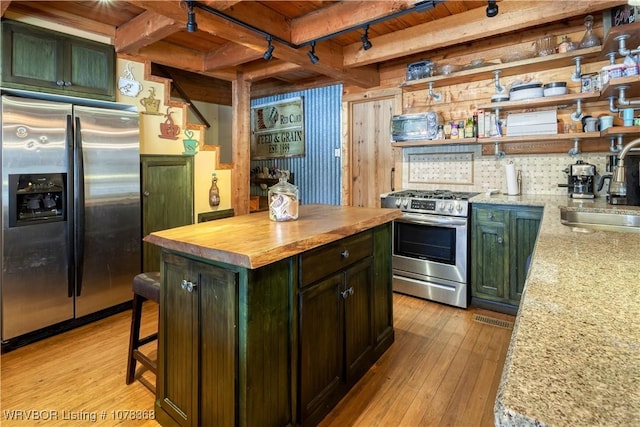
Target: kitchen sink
600,220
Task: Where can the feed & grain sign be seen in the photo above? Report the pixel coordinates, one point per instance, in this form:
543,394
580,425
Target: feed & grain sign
277,129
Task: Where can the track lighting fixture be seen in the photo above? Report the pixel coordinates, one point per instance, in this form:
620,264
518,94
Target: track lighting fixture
492,8
192,25
366,44
269,52
312,53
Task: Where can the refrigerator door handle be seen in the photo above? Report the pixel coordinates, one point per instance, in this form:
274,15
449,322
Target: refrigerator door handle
70,211
79,206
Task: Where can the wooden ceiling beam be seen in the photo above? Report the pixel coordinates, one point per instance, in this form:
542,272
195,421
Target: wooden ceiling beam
260,17
342,16
229,55
42,10
272,69
174,56
515,15
330,54
143,30
3,6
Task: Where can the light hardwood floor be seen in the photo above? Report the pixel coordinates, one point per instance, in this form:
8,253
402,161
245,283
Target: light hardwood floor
443,369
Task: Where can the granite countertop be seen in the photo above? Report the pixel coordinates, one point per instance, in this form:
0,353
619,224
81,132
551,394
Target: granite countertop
574,357
252,240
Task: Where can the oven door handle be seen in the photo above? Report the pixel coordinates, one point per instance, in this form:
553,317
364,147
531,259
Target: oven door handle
435,220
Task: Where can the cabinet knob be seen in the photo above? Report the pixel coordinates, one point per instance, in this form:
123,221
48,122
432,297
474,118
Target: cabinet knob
490,215
500,239
67,84
146,194
344,254
188,285
59,82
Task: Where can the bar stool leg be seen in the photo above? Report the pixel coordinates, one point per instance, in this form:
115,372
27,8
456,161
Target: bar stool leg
134,336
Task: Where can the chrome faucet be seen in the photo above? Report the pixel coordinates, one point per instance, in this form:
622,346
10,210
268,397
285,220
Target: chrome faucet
618,188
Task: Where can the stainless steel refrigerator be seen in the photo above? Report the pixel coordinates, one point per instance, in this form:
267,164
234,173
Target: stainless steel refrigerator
71,234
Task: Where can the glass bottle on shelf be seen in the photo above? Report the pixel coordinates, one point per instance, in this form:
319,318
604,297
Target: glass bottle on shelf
589,39
214,192
283,200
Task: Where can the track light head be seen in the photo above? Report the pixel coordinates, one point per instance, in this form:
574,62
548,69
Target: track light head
268,54
492,8
192,25
366,44
312,54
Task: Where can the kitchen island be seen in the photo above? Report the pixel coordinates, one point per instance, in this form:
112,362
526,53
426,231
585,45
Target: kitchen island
270,323
574,357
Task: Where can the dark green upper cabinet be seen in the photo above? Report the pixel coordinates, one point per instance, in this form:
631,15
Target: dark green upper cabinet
40,60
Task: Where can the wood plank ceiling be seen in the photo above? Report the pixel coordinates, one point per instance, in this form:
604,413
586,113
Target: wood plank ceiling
224,48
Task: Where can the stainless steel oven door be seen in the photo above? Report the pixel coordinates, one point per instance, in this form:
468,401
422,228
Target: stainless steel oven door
430,257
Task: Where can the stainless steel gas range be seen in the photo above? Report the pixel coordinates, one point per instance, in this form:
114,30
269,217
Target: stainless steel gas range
430,244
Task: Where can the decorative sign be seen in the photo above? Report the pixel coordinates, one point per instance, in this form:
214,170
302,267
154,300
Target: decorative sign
277,129
127,84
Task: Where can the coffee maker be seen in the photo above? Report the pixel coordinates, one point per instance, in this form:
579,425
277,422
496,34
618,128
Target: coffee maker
581,180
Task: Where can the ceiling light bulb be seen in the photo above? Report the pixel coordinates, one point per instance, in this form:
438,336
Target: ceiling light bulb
366,43
312,54
492,8
192,25
268,54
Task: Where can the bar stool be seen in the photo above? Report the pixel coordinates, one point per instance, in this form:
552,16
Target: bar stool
146,286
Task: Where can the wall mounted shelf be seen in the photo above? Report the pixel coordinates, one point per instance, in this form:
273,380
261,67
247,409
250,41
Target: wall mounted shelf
545,101
612,87
435,142
507,69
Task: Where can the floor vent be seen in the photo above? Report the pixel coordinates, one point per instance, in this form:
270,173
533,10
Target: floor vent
493,321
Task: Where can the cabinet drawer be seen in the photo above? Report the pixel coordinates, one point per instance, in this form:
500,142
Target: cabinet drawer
496,215
325,260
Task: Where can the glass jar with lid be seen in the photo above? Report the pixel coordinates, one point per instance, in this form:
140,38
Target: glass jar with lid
283,200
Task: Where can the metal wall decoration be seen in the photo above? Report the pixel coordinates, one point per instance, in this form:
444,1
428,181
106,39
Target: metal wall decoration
277,129
168,129
127,84
151,104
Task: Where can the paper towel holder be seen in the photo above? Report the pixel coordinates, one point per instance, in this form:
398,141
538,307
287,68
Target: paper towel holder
518,182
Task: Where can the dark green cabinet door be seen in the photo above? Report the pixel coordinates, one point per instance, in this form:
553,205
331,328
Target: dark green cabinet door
31,57
490,256
524,224
90,68
37,59
218,310
358,325
178,342
167,199
382,290
197,365
321,347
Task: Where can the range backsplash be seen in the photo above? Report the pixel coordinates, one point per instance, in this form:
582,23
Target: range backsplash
463,168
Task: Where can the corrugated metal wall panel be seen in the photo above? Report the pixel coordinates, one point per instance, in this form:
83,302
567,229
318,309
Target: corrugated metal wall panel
317,174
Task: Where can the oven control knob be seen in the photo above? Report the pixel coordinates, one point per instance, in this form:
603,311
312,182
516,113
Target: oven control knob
458,208
441,206
450,207
398,202
405,202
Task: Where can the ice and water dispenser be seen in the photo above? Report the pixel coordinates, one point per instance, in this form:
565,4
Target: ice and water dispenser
37,198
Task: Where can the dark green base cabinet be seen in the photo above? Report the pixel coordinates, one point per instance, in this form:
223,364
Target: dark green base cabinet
502,241
276,346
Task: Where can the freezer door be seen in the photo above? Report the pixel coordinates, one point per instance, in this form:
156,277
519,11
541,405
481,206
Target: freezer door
35,267
108,214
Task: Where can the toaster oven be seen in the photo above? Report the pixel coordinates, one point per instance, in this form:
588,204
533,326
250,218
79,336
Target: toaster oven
414,127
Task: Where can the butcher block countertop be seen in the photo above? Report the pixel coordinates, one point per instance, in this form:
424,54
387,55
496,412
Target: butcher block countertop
252,240
574,358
